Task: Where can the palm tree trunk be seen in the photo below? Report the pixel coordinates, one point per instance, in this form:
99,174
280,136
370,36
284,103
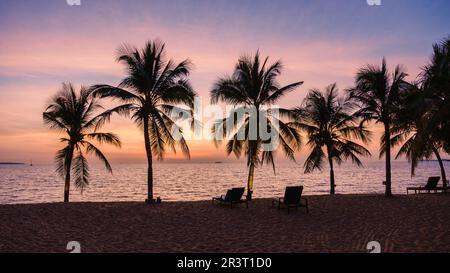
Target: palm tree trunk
332,183
387,140
148,150
441,165
250,181
67,178
253,158
251,170
67,187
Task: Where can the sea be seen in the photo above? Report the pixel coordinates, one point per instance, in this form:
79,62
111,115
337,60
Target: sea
24,184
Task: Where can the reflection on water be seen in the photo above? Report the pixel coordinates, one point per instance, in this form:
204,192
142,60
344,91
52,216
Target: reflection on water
200,181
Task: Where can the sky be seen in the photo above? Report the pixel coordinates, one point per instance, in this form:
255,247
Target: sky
44,43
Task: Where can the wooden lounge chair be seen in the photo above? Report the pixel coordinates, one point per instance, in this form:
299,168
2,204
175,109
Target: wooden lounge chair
429,187
233,197
292,199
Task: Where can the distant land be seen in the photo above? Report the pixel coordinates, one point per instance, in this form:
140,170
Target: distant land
11,163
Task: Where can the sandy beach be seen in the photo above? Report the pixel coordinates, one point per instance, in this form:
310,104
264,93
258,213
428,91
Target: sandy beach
334,224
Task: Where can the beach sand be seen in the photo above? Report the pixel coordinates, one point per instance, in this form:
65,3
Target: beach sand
335,224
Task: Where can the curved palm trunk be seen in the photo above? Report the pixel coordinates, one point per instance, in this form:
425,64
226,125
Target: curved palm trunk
388,159
441,165
148,150
67,178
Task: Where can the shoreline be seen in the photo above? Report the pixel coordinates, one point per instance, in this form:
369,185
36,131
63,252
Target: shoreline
124,202
349,195
325,195
341,223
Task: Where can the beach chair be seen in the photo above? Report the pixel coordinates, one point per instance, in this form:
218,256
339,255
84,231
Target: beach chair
429,187
292,199
233,197
445,189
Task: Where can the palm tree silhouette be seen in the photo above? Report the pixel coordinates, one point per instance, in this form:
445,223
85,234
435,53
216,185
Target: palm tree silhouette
435,82
150,93
377,92
411,133
435,76
330,125
253,86
74,114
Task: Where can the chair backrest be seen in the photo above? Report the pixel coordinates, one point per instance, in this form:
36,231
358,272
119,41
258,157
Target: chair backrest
228,195
432,183
292,195
234,194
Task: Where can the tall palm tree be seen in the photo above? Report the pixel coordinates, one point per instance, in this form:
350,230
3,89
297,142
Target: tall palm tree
410,130
253,87
73,113
377,92
435,82
330,125
150,93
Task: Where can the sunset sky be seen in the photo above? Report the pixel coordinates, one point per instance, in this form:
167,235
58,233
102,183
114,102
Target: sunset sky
44,43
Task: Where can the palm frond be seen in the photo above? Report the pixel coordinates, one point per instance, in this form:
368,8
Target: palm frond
91,149
315,160
99,120
108,138
108,91
80,170
63,159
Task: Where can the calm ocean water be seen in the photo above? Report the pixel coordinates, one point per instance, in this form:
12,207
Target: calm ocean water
200,181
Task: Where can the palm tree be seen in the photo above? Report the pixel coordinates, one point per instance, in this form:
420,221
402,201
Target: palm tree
252,89
435,82
74,114
330,126
410,130
150,93
377,92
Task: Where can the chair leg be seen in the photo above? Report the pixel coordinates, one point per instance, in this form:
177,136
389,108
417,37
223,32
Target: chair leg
306,205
